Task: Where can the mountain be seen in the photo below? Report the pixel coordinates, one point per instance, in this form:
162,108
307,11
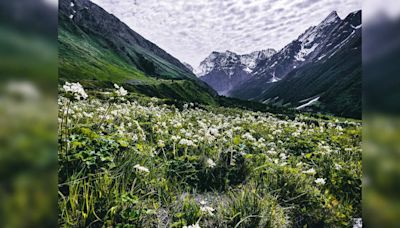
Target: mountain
188,66
319,71
224,71
97,48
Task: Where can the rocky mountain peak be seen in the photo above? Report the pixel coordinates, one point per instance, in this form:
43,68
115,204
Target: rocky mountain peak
332,17
229,61
225,70
354,18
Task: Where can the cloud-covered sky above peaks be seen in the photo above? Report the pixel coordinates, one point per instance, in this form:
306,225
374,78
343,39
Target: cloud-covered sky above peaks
191,29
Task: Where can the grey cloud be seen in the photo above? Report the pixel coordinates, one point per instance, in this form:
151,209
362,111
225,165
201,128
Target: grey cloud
191,30
306,3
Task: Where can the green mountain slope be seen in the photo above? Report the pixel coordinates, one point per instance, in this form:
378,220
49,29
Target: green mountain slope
97,49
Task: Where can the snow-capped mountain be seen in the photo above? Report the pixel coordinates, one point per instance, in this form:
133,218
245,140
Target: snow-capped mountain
225,70
309,67
313,45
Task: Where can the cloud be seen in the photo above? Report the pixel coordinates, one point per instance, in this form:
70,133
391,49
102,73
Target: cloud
306,3
191,29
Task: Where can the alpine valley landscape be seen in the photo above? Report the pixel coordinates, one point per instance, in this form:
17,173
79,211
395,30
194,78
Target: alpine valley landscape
271,138
319,71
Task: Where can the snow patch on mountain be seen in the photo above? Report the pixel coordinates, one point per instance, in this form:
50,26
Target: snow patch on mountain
274,79
311,102
304,52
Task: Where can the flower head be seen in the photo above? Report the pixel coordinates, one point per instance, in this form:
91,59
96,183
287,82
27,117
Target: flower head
310,171
210,163
186,142
161,143
120,92
141,168
207,209
75,89
320,181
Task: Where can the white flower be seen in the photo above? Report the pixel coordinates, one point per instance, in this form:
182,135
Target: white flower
135,138
88,115
283,156
310,171
161,143
141,168
213,131
320,181
338,167
248,136
207,209
210,163
203,202
76,89
121,92
186,142
192,226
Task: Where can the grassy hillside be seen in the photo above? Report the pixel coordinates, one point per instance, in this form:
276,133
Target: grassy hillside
92,60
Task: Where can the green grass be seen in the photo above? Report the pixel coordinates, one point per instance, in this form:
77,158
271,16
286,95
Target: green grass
241,168
83,59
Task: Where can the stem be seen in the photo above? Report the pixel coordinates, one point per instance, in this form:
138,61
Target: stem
105,114
66,128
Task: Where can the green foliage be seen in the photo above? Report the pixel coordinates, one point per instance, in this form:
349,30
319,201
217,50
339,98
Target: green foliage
188,214
248,208
147,66
153,162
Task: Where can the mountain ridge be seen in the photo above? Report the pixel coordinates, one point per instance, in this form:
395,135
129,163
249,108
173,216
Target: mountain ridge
313,47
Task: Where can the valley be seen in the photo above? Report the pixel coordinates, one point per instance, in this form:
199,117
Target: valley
265,139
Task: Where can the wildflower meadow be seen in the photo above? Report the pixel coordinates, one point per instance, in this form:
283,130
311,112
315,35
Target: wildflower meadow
127,160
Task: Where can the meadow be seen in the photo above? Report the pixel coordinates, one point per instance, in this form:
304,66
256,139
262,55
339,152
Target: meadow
127,160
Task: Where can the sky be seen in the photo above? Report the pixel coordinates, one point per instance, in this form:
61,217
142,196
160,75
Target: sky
191,29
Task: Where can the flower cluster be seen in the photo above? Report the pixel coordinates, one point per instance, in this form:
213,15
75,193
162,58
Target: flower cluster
75,89
120,92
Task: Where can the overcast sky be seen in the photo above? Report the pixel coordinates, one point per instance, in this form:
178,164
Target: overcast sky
191,29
